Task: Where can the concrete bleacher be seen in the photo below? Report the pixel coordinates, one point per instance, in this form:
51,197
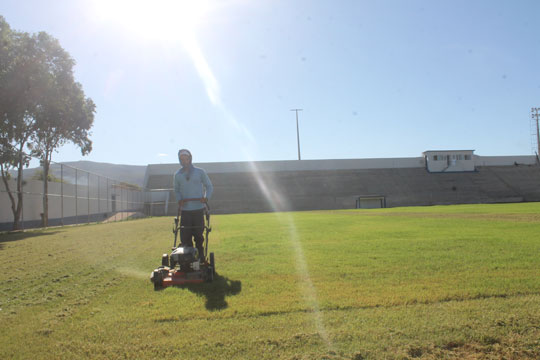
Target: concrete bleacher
244,191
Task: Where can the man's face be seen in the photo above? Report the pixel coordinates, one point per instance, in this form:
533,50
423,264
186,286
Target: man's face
184,160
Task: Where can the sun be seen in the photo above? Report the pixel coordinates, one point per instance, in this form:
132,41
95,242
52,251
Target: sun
170,22
164,20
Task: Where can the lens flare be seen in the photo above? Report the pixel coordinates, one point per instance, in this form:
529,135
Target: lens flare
281,205
276,200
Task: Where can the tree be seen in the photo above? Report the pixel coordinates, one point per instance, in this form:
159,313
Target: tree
41,106
19,91
65,114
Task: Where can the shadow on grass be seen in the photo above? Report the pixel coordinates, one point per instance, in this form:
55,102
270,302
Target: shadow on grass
21,235
216,291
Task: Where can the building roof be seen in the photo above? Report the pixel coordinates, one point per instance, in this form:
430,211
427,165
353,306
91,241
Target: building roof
428,151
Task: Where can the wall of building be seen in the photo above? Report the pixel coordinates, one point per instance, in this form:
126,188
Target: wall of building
286,165
505,160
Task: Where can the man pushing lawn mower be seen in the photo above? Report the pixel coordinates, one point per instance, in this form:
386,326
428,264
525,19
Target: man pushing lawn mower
186,264
193,188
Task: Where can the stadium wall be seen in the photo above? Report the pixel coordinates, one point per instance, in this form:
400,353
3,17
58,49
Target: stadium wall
243,187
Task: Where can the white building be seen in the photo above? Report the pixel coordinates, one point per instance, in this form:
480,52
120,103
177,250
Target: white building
449,160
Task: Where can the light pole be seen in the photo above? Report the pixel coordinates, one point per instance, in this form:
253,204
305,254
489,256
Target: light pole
535,116
297,131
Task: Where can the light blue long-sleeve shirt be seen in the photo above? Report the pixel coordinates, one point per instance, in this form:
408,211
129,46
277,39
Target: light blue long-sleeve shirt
198,186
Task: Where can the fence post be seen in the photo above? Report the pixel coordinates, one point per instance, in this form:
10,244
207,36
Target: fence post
62,194
122,202
99,195
88,197
76,196
115,205
22,209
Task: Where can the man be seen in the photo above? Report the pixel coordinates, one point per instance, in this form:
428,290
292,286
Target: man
192,183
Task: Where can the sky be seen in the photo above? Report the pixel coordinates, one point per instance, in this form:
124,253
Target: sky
374,79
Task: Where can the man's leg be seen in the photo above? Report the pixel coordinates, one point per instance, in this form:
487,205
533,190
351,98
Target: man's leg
198,223
186,230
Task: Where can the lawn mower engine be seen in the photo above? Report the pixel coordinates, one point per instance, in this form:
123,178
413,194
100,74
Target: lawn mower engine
187,258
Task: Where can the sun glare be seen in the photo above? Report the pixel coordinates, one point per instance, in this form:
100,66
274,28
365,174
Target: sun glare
154,20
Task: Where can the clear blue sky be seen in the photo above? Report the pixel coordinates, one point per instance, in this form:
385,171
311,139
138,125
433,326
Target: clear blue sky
375,78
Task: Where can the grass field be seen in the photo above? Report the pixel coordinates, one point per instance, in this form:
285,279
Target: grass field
424,282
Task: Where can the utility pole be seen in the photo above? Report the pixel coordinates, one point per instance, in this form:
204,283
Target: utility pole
297,131
535,116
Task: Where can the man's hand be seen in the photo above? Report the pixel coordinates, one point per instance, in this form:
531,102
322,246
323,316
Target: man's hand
204,200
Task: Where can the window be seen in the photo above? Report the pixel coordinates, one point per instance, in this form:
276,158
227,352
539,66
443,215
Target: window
467,157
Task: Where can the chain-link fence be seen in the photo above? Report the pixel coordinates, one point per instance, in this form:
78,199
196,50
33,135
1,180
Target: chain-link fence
75,196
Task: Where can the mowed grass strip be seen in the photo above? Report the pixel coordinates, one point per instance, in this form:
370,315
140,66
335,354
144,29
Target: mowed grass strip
422,282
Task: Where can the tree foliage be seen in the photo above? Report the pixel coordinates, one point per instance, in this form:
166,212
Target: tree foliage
42,107
38,175
127,186
18,93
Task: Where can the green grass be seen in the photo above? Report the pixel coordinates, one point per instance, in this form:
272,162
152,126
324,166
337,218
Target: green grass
422,282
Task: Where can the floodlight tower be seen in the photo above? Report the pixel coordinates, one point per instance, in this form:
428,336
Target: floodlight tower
297,131
535,117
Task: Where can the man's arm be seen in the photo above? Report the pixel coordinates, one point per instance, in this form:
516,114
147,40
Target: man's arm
207,185
177,189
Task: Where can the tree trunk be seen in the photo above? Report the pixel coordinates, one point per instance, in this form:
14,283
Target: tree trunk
18,212
16,206
11,198
46,165
19,207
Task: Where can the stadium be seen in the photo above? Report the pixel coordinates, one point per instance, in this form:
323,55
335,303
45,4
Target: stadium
440,177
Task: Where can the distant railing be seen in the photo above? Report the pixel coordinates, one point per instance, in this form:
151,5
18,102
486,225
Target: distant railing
157,201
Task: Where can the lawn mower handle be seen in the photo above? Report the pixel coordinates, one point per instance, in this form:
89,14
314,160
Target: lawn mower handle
192,199
177,219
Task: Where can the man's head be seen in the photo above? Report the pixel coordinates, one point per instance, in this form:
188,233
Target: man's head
184,156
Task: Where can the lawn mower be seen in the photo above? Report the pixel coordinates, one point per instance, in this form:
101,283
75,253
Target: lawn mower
185,265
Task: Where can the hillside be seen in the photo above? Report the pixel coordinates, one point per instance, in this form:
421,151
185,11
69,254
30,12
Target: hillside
133,174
